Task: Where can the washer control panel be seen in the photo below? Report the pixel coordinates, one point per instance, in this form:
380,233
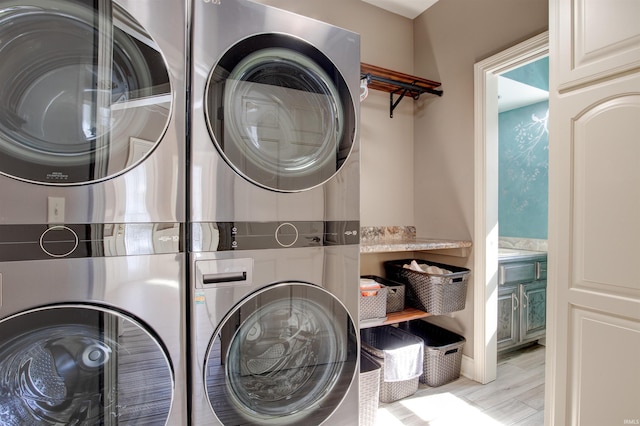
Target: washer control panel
267,235
49,241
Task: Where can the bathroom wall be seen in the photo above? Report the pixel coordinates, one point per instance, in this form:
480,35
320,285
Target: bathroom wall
523,172
524,163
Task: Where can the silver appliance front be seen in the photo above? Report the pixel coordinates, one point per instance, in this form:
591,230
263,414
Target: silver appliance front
274,336
92,111
92,340
274,116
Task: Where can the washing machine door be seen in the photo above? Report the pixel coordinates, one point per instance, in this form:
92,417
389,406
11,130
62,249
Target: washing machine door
84,91
280,112
81,365
285,355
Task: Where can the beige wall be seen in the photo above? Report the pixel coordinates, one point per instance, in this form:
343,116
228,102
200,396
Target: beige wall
418,167
450,37
387,143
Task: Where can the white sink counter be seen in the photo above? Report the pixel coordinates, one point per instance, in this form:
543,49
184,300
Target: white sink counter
510,253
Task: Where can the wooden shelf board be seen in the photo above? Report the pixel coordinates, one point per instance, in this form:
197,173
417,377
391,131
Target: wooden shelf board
394,75
407,315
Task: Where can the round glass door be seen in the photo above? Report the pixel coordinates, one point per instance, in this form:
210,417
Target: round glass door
81,365
280,113
286,355
84,92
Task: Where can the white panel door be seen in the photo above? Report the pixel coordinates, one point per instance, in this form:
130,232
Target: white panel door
593,362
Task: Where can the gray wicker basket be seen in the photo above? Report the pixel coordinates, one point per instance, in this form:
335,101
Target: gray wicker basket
375,341
434,293
395,292
442,352
369,389
373,307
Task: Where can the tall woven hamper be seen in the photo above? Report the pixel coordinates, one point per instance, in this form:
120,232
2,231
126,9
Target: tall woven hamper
375,341
369,389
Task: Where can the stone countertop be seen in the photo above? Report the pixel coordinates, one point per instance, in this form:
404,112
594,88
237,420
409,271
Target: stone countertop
398,239
413,244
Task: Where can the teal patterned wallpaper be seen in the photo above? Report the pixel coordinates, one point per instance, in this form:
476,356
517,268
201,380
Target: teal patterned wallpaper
523,171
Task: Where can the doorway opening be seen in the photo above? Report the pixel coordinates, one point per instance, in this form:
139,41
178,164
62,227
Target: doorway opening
486,237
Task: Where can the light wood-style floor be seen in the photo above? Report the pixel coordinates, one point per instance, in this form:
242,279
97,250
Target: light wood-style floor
515,398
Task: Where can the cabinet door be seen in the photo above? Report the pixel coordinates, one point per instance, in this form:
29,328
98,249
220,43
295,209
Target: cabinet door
508,317
594,292
597,39
533,310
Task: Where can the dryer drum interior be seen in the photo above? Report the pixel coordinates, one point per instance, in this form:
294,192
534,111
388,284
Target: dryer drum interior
81,84
287,353
280,112
81,365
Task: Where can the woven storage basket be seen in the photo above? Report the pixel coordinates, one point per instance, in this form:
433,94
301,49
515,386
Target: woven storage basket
442,352
375,341
395,292
373,307
369,389
434,293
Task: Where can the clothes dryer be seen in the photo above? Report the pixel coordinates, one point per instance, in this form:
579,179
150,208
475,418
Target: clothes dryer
92,340
274,330
92,111
275,111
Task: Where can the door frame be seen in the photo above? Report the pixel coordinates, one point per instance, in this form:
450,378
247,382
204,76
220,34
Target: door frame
486,197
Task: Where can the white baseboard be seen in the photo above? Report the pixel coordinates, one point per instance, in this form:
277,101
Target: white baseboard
467,367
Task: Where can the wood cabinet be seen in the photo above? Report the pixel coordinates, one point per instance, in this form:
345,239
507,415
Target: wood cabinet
522,301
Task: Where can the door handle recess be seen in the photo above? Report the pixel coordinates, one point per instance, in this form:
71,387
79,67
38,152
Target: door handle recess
224,277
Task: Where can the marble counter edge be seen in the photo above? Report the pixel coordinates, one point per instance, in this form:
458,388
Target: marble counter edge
413,244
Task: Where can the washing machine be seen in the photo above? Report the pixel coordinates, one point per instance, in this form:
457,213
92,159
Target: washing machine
88,338
274,217
275,111
92,111
274,328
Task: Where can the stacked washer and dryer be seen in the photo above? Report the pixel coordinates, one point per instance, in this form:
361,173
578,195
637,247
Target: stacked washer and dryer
92,212
274,218
96,285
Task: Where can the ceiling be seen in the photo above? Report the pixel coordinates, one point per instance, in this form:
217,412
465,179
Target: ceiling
407,8
514,94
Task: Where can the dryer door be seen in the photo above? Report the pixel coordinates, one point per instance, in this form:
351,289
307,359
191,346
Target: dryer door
81,365
84,91
280,112
285,355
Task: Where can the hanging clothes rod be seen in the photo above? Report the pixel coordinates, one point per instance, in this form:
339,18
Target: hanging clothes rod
396,83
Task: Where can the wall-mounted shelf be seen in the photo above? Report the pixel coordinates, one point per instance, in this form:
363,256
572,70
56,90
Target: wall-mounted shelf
397,83
408,314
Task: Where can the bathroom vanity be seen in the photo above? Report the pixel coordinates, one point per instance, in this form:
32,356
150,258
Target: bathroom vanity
522,297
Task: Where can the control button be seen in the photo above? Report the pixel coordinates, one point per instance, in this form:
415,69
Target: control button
286,234
59,241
